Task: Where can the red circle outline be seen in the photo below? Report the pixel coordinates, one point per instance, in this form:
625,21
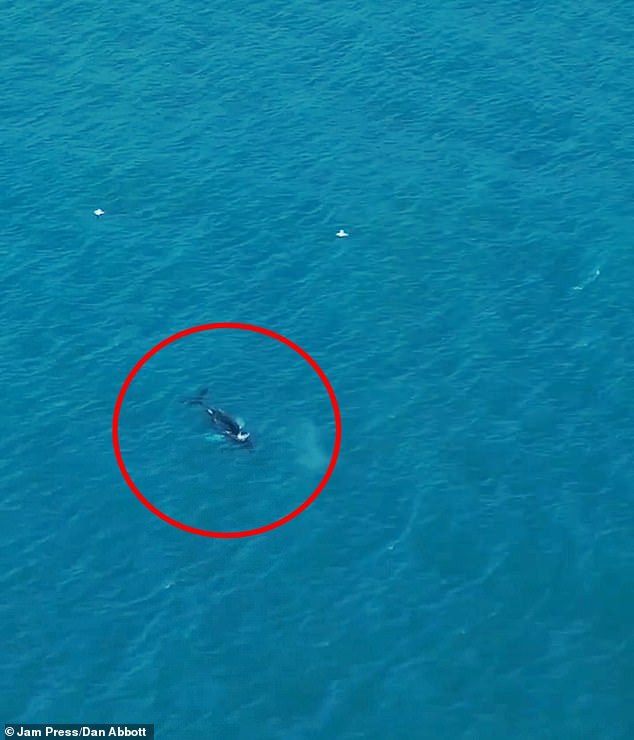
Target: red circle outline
207,532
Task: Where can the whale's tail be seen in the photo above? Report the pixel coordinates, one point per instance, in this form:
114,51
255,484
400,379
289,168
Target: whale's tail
198,399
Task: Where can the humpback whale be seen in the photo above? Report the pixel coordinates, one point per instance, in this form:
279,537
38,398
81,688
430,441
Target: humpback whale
222,422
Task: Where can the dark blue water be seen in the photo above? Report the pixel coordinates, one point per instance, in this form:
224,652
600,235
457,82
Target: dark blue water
467,573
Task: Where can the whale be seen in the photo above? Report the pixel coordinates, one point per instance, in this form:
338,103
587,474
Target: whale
222,422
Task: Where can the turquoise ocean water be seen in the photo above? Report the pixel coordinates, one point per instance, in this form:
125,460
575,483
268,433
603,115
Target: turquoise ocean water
468,571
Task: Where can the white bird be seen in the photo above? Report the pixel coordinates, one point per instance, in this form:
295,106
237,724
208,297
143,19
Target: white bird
341,233
98,212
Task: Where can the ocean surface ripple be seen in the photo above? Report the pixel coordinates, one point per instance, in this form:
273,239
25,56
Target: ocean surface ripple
467,573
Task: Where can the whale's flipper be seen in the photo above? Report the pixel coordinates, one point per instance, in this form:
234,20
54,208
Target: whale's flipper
198,399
